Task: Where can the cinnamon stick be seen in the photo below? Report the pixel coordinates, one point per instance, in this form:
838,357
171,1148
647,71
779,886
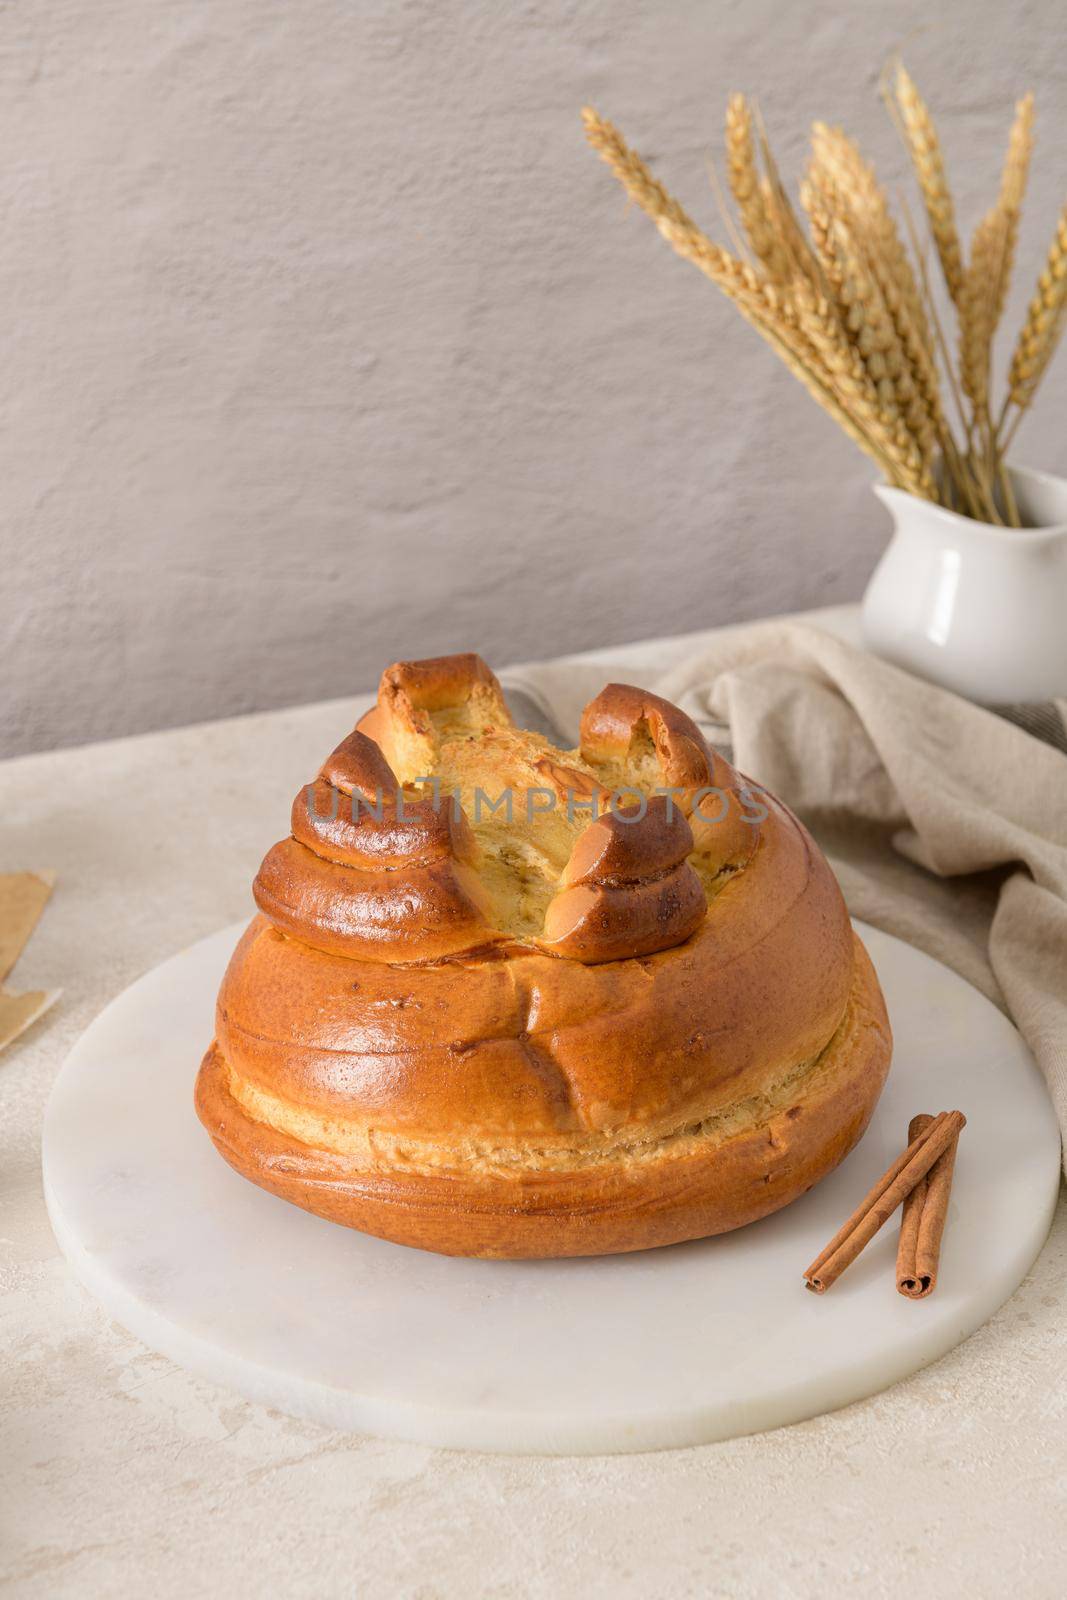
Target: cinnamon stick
911,1215
879,1189
923,1221
879,1204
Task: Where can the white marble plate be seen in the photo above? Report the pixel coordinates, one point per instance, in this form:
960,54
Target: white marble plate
669,1347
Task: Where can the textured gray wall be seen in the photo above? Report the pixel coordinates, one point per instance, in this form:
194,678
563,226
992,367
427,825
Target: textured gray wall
328,341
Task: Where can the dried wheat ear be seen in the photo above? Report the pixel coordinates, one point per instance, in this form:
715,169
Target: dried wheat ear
853,317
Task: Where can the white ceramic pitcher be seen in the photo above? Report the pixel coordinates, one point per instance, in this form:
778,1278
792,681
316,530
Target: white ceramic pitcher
977,608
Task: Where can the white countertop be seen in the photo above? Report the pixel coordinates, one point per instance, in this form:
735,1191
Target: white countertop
122,1475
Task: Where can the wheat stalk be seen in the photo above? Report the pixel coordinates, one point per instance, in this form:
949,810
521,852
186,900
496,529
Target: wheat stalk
755,296
925,148
871,307
1044,323
852,381
817,205
988,274
840,167
841,185
850,315
747,189
978,301
780,209
855,180
1012,190
878,344
767,311
1017,161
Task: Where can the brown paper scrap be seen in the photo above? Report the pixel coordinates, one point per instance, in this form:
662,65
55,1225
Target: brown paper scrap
23,896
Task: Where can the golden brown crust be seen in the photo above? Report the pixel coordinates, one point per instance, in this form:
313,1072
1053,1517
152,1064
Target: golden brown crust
630,843
622,718
358,767
411,692
405,830
628,888
431,910
439,682
627,731
551,1033
522,1046
701,1181
374,870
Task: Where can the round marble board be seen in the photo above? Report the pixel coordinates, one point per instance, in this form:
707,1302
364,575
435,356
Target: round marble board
668,1347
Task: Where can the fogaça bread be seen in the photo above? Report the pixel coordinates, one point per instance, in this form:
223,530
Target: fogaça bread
506,1000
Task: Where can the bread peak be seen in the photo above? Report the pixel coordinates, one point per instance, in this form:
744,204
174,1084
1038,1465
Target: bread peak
439,828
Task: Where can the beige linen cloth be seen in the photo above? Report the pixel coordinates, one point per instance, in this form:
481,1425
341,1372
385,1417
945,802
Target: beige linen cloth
946,824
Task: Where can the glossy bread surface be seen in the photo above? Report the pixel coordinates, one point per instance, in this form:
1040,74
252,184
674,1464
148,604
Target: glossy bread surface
537,1030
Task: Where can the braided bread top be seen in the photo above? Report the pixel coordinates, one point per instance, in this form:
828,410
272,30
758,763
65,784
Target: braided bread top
439,828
